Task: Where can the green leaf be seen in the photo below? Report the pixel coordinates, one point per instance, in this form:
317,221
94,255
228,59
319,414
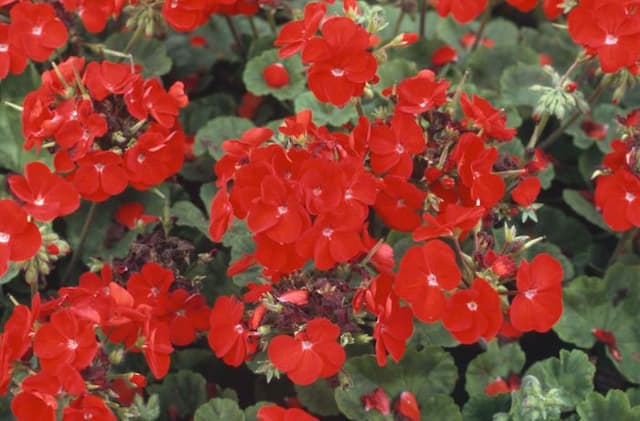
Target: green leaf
429,334
615,406
424,373
318,398
482,408
634,396
584,208
487,64
572,373
325,113
251,412
553,41
240,240
11,273
189,215
502,32
394,71
13,157
150,410
496,362
148,52
219,409
216,131
571,235
516,80
256,84
201,110
184,390
602,114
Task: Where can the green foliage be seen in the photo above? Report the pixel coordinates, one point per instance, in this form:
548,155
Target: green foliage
533,402
318,398
219,409
148,52
210,137
516,81
184,390
615,406
324,113
584,208
570,377
497,361
429,373
256,84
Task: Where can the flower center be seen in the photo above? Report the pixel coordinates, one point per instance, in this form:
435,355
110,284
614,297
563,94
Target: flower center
306,345
399,149
611,40
4,48
37,30
4,238
629,197
239,328
348,194
155,291
530,293
72,345
141,158
39,201
282,210
432,280
472,306
337,72
317,191
87,415
327,232
99,167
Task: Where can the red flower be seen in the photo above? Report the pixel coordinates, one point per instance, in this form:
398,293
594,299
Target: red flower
187,15
393,328
105,78
526,192
12,58
93,13
151,285
294,35
608,29
377,400
187,314
399,204
278,413
424,272
65,340
453,220
332,239
473,313
421,93
157,154
277,212
553,8
443,55
340,61
475,164
407,406
100,175
87,407
489,120
47,195
37,29
523,5
19,239
275,75
538,305
157,348
463,11
37,400
618,196
228,336
393,147
132,215
313,353
499,385
221,215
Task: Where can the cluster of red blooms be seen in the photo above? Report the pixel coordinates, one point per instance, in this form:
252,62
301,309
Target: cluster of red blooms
610,30
68,335
617,192
406,404
187,15
464,11
107,125
309,193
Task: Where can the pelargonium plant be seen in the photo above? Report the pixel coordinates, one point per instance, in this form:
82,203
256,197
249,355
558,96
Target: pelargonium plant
282,210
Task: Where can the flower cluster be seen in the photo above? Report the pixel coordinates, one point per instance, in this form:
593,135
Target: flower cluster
107,126
617,192
308,193
78,337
